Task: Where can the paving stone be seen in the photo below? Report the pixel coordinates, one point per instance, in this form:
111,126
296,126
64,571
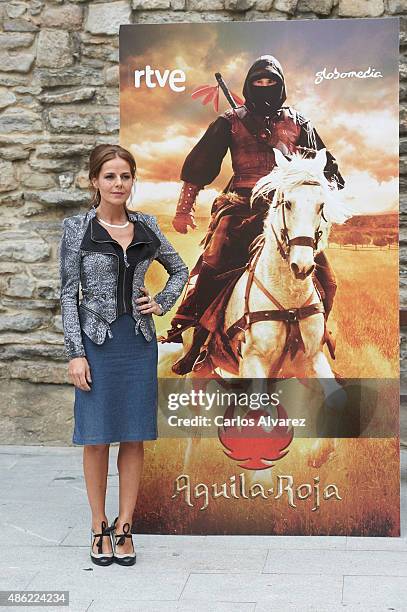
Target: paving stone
326,562
278,588
389,592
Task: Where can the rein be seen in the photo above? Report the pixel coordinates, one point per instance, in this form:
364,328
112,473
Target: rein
298,240
291,317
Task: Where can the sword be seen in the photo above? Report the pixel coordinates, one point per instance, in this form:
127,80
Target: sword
225,90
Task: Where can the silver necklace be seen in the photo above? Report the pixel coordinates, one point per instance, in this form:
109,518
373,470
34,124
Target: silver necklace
112,224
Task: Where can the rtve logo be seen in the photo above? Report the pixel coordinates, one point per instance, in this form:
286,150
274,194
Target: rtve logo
155,77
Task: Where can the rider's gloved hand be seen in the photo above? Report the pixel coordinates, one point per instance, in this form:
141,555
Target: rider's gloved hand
182,221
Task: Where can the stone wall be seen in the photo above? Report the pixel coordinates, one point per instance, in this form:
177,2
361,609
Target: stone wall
59,96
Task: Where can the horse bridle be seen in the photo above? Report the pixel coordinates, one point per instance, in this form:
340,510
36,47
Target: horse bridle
288,242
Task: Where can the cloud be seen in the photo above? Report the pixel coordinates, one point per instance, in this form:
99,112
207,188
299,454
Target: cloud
356,118
161,197
367,195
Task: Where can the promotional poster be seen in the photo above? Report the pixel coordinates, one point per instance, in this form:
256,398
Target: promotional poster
268,152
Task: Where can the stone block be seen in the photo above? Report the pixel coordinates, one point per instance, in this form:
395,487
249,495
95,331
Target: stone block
11,199
206,5
68,77
15,40
19,25
67,149
8,267
177,5
58,197
191,16
67,17
6,97
29,304
319,7
263,5
83,93
112,75
65,180
403,119
395,7
48,290
20,286
12,80
22,322
32,350
16,62
57,323
286,6
108,96
239,5
7,176
16,9
37,372
13,153
36,7
361,8
91,121
150,5
82,180
37,180
262,16
54,49
104,53
403,68
52,165
23,246
106,17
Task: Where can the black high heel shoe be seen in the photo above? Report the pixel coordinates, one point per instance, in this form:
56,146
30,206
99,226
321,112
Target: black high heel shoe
119,539
100,558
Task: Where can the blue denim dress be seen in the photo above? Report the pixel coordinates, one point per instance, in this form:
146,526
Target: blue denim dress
122,403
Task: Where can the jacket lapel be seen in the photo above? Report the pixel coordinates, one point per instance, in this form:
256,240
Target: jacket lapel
98,240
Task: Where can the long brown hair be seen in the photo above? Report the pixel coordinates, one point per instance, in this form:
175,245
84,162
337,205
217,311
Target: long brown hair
98,156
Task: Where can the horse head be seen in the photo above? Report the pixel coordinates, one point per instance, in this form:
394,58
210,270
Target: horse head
301,202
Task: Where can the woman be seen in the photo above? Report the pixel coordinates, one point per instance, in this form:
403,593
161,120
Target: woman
110,338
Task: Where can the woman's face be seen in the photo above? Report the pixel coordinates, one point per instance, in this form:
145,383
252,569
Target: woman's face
114,182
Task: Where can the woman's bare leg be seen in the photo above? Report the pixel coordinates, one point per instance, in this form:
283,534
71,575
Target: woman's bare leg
95,467
130,465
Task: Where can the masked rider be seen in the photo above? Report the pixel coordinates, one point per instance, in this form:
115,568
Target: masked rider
250,132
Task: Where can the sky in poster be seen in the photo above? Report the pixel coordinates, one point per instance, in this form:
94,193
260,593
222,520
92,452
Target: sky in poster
356,118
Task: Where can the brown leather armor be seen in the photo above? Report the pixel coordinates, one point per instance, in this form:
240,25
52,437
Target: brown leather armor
252,159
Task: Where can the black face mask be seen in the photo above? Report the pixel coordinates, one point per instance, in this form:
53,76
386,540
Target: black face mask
266,100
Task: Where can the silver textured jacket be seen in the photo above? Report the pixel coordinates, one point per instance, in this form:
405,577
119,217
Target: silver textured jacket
94,265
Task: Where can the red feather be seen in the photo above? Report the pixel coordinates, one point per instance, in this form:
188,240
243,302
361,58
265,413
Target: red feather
210,96
200,91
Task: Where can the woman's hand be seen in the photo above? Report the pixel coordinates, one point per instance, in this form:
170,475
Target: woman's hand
79,372
146,304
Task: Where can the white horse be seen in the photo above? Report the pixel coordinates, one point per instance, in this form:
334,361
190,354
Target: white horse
278,282
296,228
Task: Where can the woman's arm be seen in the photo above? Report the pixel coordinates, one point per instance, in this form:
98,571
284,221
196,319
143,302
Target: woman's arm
69,297
176,268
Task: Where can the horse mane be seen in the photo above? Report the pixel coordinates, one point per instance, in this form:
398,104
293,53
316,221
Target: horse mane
299,171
